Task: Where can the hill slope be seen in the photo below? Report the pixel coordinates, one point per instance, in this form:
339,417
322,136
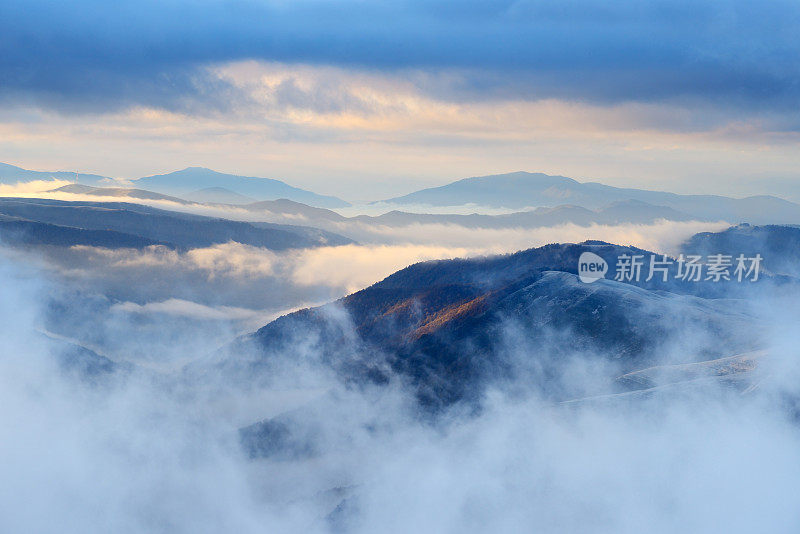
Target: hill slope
453,328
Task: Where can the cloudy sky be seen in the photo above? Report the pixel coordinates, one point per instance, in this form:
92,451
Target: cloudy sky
368,99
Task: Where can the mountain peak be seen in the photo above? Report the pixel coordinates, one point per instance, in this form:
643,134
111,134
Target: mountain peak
525,176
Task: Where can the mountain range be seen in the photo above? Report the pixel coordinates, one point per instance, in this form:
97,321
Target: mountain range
192,179
524,189
619,212
11,174
289,211
198,182
121,224
557,199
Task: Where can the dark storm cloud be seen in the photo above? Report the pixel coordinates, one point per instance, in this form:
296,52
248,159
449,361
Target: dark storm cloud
102,55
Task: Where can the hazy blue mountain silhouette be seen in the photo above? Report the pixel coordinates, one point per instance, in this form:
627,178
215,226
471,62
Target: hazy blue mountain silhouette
205,184
292,209
218,195
11,174
192,179
42,221
116,192
524,189
620,212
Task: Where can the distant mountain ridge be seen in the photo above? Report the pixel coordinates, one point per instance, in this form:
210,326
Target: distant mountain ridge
19,231
192,179
557,199
620,212
524,189
202,183
121,224
116,192
219,195
11,174
289,211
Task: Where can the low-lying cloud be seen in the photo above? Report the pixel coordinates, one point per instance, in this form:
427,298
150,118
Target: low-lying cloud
351,267
661,236
187,308
33,188
158,454
194,301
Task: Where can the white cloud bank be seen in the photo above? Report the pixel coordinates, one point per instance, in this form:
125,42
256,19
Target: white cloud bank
161,455
352,267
